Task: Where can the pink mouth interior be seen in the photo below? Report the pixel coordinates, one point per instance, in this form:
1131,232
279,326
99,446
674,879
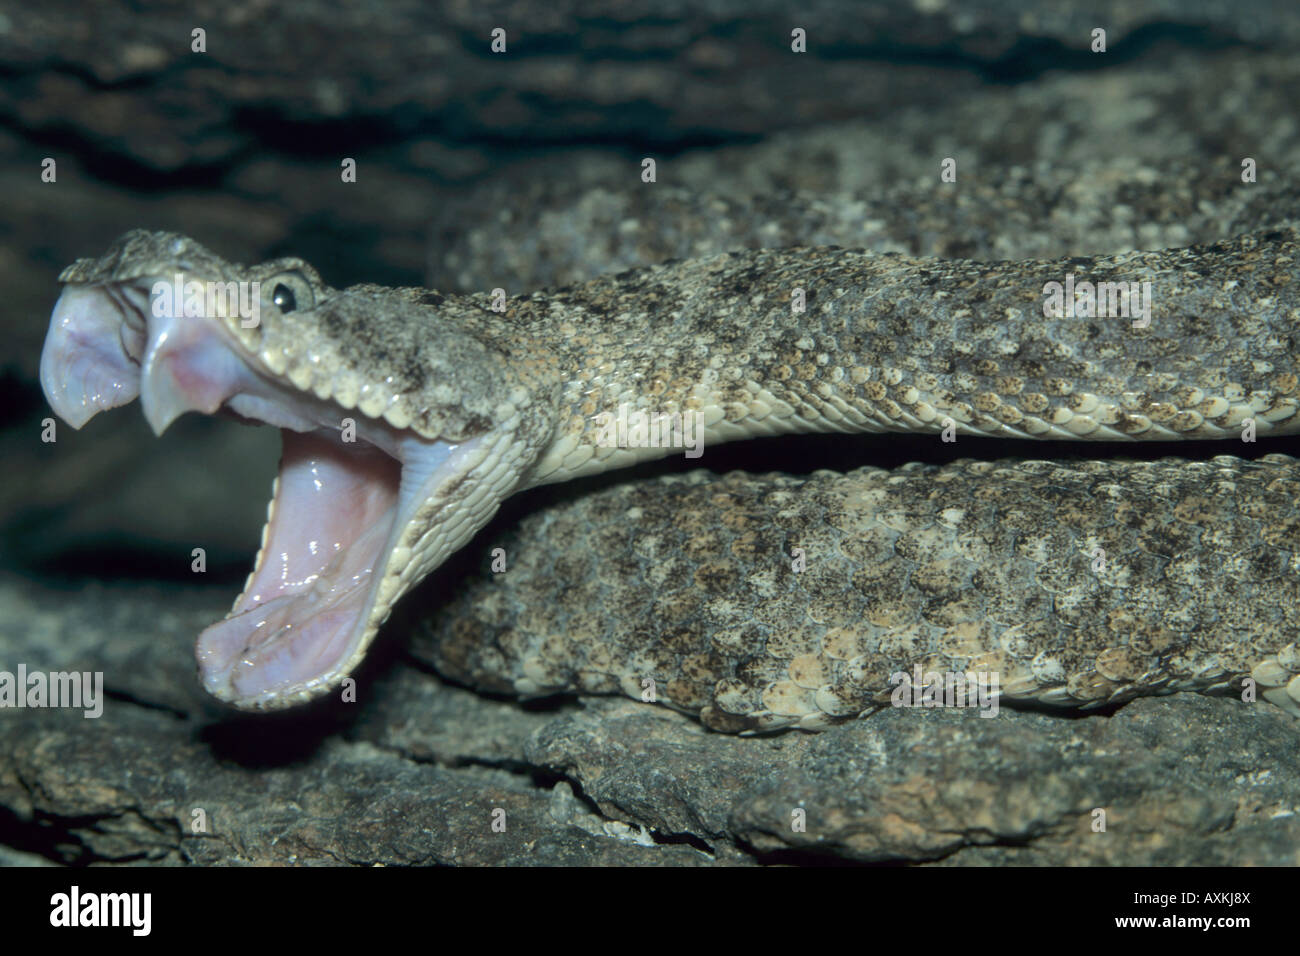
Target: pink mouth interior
339,506
333,516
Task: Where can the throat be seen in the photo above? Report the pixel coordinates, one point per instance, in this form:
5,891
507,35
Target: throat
326,538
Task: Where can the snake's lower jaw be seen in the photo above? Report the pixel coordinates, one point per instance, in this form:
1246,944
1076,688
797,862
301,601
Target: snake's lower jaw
352,525
335,558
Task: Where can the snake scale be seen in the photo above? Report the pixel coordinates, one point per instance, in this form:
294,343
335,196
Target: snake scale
1079,583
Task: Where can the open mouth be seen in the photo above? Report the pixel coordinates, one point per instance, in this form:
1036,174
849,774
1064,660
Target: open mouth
348,487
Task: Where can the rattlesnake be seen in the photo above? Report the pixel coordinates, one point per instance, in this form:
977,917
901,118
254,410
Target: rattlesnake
1079,584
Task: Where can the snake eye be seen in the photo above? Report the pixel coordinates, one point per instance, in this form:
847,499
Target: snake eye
283,298
290,292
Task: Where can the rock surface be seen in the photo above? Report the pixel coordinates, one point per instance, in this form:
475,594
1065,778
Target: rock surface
419,771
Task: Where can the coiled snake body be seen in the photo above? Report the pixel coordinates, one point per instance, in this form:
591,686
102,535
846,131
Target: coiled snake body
1080,584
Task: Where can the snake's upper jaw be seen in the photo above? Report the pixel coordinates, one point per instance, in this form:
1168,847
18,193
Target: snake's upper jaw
92,354
352,525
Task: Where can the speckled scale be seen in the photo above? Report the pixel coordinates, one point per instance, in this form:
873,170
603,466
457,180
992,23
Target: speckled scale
777,648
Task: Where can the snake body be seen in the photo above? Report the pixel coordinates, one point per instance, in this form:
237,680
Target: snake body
1080,584
922,564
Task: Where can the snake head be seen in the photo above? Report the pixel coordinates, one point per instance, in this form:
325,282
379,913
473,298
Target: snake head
405,419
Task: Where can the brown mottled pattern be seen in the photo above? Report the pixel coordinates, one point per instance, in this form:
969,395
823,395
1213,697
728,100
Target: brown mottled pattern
890,343
984,566
886,343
